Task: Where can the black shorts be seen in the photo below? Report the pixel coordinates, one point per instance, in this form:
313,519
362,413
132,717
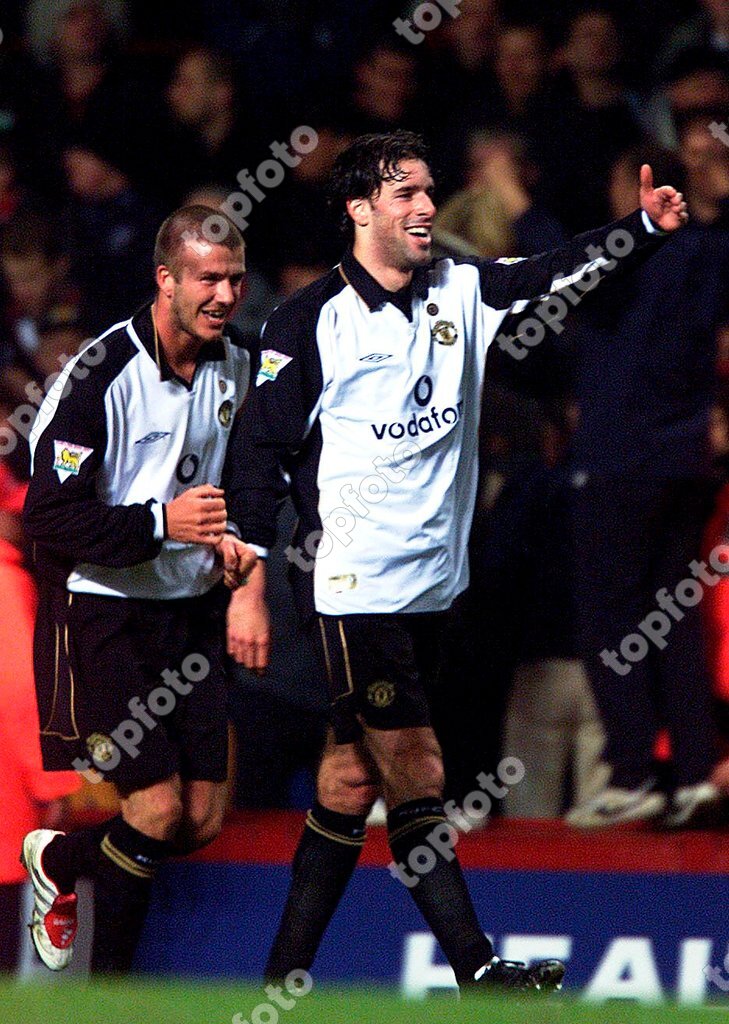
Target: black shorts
380,669
135,689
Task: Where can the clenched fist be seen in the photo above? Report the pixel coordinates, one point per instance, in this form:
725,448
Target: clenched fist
238,560
197,516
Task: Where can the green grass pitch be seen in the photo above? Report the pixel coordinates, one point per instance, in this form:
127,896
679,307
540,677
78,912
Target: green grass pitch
142,1002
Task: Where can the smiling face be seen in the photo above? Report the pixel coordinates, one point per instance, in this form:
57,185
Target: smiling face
203,291
393,228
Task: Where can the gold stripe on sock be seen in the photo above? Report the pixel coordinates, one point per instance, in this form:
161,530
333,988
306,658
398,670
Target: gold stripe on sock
314,825
123,861
412,825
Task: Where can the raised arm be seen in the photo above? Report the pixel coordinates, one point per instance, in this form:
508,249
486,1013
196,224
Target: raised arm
507,282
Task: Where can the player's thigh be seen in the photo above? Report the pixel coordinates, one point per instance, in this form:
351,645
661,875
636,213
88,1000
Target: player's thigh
374,673
199,723
94,682
409,762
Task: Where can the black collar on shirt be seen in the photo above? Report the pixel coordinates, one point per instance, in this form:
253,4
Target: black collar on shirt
372,292
210,351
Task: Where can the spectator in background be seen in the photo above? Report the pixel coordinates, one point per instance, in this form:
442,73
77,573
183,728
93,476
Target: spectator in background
696,80
552,723
82,75
644,385
74,25
521,65
40,318
109,228
496,213
460,51
79,55
298,213
384,88
706,160
585,116
24,132
506,94
709,27
12,194
209,120
31,798
716,599
458,84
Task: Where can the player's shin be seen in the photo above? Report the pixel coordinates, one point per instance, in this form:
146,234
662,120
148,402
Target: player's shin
325,859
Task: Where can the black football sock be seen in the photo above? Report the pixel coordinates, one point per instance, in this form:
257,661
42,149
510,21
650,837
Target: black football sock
123,882
327,855
76,855
427,865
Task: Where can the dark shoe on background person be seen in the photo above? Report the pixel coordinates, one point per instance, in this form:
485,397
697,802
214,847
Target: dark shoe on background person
694,807
618,806
514,976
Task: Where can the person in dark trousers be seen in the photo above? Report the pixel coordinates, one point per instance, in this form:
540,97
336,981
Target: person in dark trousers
368,396
131,539
644,381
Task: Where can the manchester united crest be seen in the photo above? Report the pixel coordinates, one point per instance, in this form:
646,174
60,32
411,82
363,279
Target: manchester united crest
381,694
225,413
100,747
444,332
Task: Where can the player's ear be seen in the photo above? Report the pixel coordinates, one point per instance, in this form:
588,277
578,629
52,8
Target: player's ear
165,281
359,211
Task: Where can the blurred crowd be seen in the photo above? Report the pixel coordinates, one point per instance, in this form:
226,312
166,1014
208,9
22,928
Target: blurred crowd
604,452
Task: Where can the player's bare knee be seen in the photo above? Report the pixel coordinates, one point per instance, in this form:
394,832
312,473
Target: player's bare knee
361,796
158,816
419,774
350,791
202,826
427,765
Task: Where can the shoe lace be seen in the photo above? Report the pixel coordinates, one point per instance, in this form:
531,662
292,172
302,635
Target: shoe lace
512,973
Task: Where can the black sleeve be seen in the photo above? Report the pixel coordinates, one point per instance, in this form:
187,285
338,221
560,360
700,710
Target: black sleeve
275,420
63,514
505,282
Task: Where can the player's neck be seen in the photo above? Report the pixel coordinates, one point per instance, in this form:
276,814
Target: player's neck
391,278
180,348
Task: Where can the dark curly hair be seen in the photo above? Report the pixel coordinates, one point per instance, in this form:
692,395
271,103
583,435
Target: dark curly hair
360,170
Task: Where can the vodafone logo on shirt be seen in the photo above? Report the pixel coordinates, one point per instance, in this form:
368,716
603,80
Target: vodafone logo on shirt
419,423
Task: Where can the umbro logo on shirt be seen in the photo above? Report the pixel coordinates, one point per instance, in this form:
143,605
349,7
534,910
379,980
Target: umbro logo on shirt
156,435
376,357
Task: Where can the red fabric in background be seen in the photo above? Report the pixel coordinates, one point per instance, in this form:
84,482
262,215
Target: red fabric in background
23,783
716,599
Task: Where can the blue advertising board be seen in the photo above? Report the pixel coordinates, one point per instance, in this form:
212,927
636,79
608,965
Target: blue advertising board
639,936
